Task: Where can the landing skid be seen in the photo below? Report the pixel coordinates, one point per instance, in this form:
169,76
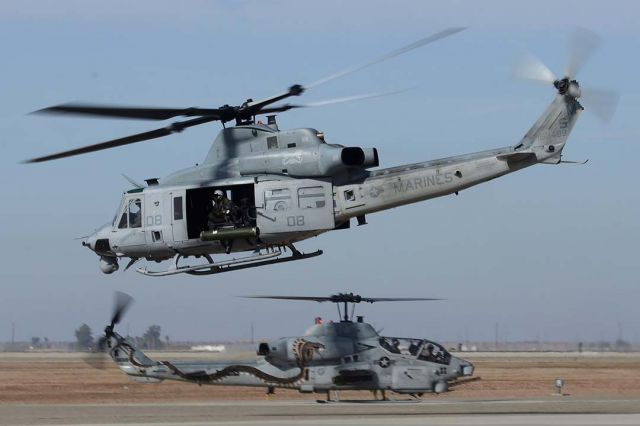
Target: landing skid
370,401
211,268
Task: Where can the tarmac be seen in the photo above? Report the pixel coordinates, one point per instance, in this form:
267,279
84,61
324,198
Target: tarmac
548,411
516,389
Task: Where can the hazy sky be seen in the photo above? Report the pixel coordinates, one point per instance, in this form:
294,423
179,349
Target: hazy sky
550,252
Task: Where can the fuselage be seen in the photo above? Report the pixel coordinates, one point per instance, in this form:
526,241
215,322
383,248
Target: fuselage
330,356
296,186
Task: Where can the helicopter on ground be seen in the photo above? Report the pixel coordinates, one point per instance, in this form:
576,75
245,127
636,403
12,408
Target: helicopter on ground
261,189
330,356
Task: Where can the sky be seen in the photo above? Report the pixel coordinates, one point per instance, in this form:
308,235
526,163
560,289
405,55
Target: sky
548,253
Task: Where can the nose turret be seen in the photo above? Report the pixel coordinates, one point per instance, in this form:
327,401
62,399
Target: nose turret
463,367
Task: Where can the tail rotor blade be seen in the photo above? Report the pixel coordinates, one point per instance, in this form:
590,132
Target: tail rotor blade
601,101
122,302
581,46
529,67
98,358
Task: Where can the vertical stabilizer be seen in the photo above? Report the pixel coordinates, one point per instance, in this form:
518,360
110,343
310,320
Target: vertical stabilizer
548,136
129,359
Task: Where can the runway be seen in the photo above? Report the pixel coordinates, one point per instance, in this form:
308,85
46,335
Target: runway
60,389
548,411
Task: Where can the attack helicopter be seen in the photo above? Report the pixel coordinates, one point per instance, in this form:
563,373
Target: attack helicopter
261,189
330,356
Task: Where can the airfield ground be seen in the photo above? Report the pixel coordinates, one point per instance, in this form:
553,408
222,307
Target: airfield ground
516,388
65,378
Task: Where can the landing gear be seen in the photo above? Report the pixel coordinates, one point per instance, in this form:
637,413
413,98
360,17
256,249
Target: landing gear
270,391
258,258
383,394
336,396
197,272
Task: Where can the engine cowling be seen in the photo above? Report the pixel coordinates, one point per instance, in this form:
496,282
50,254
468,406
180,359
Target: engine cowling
288,350
319,161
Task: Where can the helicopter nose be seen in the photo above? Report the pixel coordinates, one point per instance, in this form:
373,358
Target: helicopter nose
99,240
466,368
89,242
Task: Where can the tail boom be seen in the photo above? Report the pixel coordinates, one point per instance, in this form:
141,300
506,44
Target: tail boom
388,188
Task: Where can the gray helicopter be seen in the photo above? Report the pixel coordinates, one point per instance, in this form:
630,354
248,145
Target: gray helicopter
330,356
261,189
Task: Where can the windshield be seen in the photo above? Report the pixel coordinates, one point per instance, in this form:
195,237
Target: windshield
130,214
118,213
400,345
433,352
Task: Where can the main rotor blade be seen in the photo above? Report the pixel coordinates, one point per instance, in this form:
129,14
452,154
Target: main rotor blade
340,298
581,46
143,113
397,299
601,101
304,298
287,107
422,42
529,67
140,137
257,107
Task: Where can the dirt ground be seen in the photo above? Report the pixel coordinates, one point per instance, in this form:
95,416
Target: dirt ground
66,378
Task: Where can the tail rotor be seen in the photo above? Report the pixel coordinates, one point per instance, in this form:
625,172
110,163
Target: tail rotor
583,43
122,302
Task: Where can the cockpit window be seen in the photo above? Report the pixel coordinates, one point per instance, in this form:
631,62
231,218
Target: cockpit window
123,220
117,219
135,213
402,346
434,352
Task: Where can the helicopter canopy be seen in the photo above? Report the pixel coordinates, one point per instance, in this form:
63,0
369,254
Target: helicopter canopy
423,349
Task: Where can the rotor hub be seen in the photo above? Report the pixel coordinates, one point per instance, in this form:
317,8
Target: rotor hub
108,331
568,87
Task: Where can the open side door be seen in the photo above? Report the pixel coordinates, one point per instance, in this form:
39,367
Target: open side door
294,205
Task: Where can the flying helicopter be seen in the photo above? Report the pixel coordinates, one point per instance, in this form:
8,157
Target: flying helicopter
330,356
261,189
